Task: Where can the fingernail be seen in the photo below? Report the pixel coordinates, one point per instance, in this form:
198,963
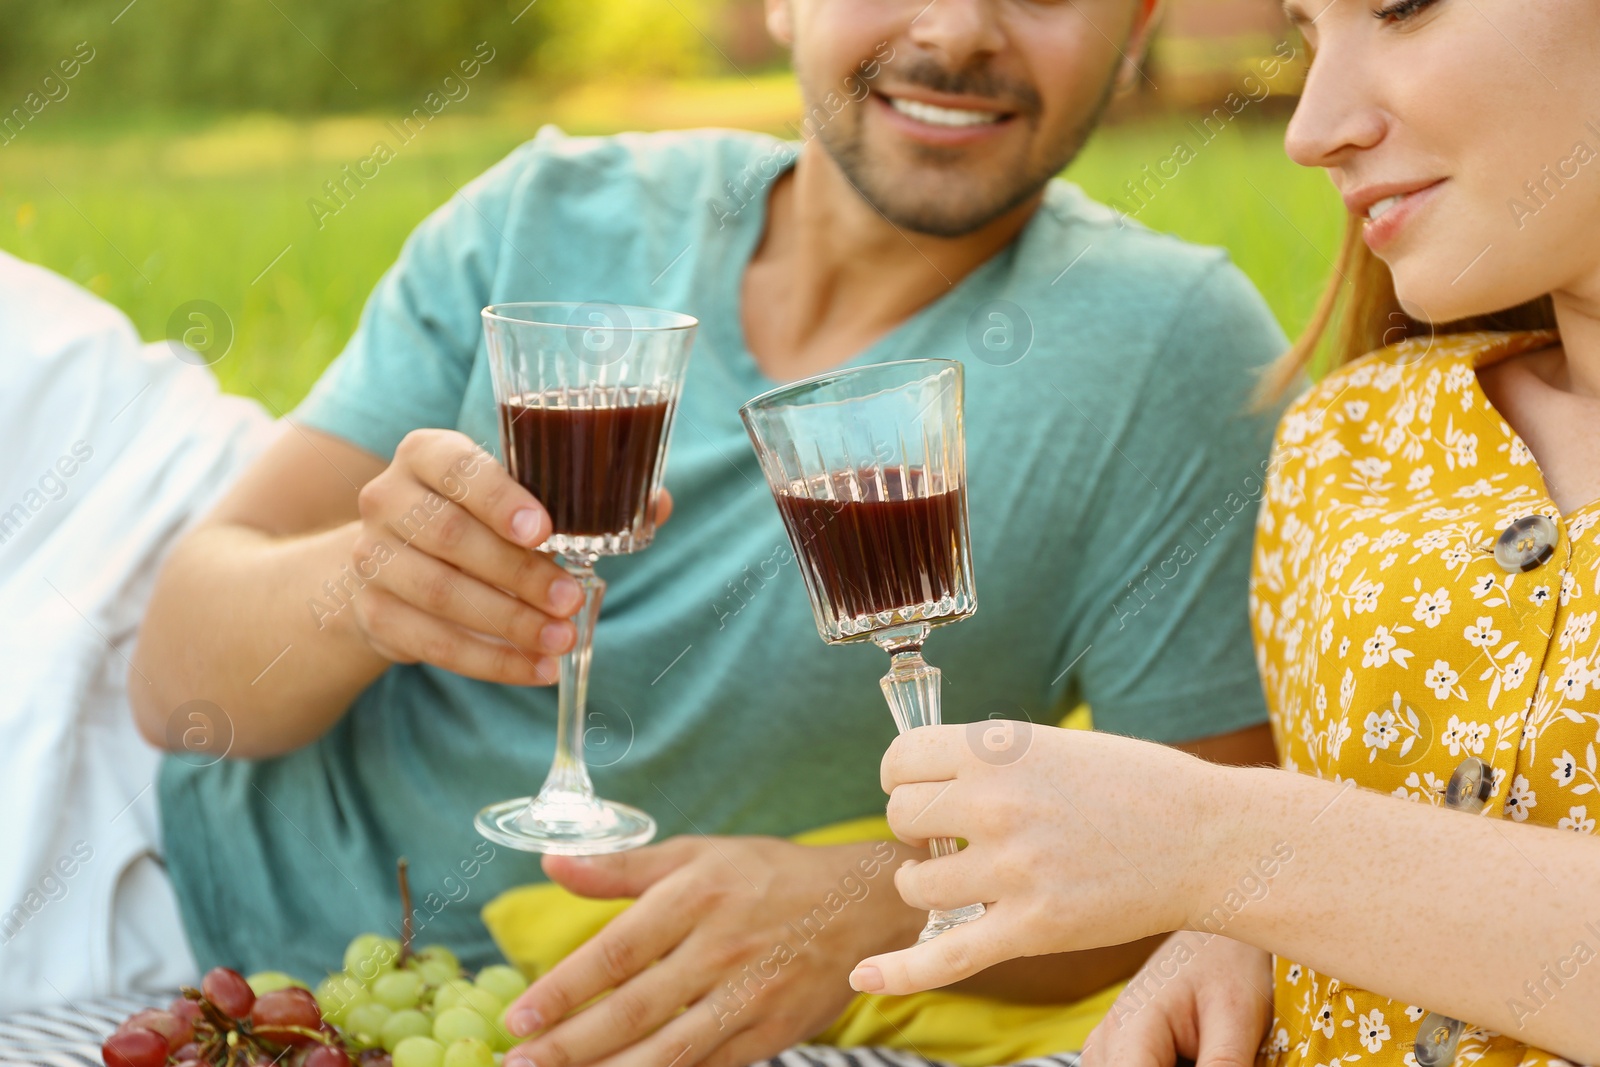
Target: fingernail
909,863
515,1058
527,524
523,1023
556,636
866,979
565,594
548,668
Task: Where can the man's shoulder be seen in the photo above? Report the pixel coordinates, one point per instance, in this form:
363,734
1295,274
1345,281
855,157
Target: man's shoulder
1073,228
1138,302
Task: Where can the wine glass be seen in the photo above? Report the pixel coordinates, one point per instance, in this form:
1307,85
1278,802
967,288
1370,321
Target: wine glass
586,395
868,467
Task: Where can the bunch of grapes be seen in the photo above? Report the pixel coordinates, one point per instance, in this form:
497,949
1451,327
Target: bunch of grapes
387,1008
229,1023
422,1010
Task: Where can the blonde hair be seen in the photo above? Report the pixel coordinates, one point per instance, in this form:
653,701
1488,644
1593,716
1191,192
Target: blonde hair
1358,312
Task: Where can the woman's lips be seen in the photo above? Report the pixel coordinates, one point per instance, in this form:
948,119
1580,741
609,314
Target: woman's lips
1386,217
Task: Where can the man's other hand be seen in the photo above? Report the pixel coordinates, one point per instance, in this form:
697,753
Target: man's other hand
737,948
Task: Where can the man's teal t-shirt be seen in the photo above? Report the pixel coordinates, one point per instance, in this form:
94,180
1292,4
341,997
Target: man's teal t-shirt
1113,470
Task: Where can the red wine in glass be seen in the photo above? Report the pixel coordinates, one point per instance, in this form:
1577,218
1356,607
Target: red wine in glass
896,547
593,467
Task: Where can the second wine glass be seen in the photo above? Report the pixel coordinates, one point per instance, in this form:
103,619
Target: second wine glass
868,467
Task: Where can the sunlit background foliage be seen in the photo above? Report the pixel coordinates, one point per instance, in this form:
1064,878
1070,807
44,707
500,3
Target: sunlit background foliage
185,159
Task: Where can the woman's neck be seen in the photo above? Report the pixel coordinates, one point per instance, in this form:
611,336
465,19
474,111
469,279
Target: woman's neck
1578,317
1551,398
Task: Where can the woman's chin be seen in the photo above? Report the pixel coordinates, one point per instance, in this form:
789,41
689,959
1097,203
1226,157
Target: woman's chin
1436,293
1479,272
1422,310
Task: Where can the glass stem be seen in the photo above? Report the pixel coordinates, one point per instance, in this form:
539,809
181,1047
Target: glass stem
912,689
569,775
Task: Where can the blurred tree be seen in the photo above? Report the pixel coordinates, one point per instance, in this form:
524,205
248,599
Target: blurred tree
630,40
285,55
303,56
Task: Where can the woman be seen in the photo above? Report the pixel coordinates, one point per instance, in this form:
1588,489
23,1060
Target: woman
1424,599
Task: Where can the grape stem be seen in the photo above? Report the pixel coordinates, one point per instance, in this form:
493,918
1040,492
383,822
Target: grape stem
220,1024
405,908
223,1047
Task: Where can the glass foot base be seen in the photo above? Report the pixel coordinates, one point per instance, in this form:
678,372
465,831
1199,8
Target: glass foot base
565,826
940,921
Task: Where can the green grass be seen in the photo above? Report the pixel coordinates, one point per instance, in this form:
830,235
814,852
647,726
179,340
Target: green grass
161,213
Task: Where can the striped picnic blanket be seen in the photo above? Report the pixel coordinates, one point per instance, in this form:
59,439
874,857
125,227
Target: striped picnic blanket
69,1035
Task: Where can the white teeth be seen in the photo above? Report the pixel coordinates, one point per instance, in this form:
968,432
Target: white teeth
1381,208
942,116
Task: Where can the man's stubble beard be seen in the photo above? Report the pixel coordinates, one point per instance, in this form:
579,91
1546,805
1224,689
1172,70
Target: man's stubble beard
846,145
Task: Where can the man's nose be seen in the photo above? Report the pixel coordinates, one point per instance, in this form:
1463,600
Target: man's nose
957,32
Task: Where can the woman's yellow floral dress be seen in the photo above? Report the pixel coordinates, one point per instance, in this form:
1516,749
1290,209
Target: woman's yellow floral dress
1394,643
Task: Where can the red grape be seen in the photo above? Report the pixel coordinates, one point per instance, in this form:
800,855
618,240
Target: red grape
184,1008
282,1008
191,1051
134,1048
228,991
328,1056
376,1057
177,1031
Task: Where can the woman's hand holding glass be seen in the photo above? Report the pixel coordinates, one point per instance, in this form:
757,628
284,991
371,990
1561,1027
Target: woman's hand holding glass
1075,840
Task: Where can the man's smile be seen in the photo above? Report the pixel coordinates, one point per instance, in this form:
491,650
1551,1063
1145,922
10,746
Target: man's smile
938,118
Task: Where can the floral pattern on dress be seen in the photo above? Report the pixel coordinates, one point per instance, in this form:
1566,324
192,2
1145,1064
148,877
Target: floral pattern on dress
1392,645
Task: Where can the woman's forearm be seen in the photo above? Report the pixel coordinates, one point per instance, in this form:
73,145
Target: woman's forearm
244,621
1480,919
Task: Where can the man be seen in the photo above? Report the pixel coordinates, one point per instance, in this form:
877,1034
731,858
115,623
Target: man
1108,439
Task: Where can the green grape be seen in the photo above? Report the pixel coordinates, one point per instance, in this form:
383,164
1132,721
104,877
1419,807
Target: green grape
365,1022
453,1024
361,946
408,1022
398,989
481,1001
370,955
437,972
440,954
419,1052
338,993
502,1038
264,982
449,993
504,982
468,1052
